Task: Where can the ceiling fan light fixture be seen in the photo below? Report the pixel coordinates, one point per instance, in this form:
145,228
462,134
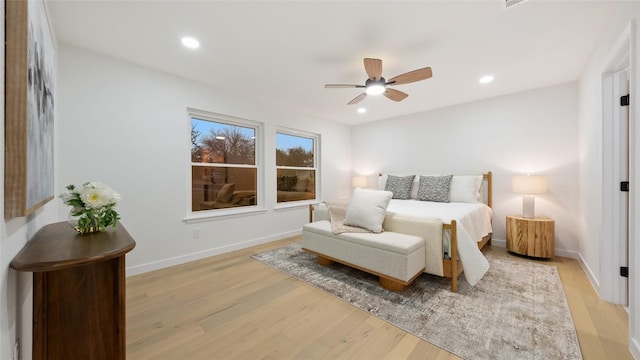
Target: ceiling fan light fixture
375,89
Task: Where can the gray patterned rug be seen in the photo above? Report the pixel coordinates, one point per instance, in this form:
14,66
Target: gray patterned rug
517,311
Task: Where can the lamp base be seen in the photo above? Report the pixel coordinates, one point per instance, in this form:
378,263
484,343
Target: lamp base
528,206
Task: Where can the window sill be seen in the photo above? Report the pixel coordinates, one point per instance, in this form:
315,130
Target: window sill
295,204
223,214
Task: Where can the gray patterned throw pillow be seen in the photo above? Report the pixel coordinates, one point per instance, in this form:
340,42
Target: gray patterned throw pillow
434,188
400,186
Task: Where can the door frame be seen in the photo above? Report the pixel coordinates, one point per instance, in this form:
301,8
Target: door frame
612,287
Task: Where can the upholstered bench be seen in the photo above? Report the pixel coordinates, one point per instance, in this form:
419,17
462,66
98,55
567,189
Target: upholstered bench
397,259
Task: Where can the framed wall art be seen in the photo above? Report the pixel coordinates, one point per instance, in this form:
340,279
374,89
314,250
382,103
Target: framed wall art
29,90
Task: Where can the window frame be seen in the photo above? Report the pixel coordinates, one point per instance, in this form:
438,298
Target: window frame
259,166
316,167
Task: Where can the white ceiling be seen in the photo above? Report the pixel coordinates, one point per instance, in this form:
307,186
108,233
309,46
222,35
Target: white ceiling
284,52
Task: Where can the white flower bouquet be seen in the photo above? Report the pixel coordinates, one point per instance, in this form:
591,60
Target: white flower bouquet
92,206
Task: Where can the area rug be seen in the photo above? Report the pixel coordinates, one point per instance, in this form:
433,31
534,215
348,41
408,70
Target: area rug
517,311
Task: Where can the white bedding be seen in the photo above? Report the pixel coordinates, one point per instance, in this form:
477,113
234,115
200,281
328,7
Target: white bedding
475,218
473,223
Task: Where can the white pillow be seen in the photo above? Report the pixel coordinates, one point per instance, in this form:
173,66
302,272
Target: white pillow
367,209
465,188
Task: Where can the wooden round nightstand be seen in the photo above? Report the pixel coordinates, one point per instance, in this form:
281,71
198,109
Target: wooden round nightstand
531,236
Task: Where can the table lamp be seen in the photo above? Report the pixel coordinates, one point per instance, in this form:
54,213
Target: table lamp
529,185
359,181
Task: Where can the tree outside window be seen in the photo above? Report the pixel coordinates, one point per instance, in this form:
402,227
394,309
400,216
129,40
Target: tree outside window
223,165
296,171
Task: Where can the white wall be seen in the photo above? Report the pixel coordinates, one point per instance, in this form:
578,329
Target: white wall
534,131
591,162
127,126
591,150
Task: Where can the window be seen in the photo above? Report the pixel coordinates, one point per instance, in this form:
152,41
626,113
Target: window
296,166
224,169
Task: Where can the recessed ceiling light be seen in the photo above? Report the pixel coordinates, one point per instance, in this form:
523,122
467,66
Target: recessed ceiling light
362,110
190,42
486,79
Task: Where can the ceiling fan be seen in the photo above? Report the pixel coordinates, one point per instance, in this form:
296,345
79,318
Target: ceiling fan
376,84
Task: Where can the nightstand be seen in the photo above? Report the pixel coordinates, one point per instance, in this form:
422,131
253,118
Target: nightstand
531,236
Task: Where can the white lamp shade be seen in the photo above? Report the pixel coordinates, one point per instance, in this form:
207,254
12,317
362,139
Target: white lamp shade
529,184
359,181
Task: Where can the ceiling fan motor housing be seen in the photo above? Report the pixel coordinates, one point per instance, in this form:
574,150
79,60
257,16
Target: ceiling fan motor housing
380,81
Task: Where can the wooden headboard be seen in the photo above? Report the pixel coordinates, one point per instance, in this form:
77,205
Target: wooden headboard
488,178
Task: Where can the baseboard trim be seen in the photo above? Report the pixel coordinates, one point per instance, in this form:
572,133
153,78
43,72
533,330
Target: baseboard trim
592,279
559,252
499,243
178,260
568,254
634,348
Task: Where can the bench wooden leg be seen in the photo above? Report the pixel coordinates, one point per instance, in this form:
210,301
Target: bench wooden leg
386,282
324,261
392,285
454,283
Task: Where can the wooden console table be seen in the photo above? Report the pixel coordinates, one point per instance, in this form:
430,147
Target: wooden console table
78,292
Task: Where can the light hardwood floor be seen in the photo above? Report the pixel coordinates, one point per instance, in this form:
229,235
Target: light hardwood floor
233,307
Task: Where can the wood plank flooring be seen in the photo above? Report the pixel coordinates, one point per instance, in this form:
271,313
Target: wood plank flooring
233,307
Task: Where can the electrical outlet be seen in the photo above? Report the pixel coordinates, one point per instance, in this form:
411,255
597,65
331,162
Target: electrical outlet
196,233
16,350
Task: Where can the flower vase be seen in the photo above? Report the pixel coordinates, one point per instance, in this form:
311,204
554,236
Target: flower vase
87,227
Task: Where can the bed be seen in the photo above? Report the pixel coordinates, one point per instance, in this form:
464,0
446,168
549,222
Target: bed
466,224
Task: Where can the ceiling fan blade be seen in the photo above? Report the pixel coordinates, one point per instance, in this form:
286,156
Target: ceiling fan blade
373,67
411,76
340,86
395,95
357,99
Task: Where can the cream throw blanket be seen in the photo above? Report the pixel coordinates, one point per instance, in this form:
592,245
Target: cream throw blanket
337,212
